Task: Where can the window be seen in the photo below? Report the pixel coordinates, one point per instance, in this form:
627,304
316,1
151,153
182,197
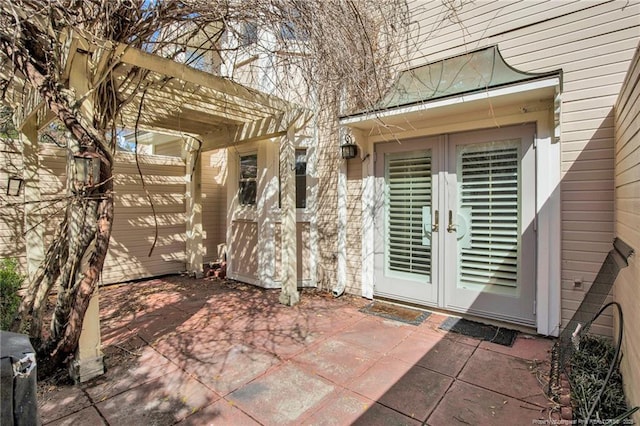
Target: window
301,178
292,30
248,33
247,187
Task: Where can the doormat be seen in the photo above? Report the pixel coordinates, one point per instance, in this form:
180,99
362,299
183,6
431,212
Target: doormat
396,313
490,333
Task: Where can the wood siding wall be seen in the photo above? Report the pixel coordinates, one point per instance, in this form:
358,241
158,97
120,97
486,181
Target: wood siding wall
593,43
354,225
133,228
214,201
11,207
627,227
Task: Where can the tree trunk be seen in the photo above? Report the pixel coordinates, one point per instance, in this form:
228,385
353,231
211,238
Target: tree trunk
89,216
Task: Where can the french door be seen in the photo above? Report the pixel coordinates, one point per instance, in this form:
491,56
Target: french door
455,223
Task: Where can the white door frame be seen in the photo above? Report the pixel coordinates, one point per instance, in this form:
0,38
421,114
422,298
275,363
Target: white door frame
548,259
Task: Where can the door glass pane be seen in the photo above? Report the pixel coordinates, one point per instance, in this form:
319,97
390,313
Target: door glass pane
408,192
487,223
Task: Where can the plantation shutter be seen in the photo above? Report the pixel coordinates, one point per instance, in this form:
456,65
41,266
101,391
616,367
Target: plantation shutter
488,178
408,193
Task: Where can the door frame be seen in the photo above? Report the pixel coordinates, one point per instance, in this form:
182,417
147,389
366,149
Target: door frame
548,244
454,297
414,287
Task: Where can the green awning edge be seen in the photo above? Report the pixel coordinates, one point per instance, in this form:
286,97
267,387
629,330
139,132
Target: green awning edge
470,72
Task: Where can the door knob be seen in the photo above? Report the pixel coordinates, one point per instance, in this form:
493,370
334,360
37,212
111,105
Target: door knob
436,222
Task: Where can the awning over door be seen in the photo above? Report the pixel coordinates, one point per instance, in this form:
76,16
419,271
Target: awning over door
471,76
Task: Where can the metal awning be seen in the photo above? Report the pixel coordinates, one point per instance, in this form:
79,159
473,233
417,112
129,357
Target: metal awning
478,71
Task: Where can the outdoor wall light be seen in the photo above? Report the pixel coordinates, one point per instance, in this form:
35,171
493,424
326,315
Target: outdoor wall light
87,173
348,148
14,185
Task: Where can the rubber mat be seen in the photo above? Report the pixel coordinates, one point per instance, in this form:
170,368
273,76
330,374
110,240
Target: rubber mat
396,313
490,333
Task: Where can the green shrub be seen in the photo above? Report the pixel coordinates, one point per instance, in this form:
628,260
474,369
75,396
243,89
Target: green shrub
10,283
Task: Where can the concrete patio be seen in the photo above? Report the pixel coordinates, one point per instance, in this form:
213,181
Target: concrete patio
203,352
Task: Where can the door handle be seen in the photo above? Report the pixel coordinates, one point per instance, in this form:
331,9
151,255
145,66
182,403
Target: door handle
436,222
451,227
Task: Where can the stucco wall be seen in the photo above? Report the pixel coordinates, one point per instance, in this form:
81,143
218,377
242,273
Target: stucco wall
626,290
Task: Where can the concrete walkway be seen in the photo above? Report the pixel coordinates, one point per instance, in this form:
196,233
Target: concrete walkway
198,352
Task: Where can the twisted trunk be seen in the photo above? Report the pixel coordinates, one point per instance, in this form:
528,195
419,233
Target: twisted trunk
74,261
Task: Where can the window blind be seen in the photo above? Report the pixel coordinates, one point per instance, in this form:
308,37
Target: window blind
489,190
408,190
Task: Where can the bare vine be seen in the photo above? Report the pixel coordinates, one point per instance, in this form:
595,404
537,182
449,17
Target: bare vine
338,53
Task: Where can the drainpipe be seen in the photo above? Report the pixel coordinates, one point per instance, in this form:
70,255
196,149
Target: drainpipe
341,254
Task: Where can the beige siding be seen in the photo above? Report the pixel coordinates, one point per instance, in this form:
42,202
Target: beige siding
53,175
627,227
11,207
327,200
592,42
134,226
354,226
214,201
245,256
171,149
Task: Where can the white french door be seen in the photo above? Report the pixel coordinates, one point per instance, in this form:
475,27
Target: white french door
455,227
406,262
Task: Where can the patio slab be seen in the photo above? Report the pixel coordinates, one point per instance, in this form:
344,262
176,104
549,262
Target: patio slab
214,353
87,416
283,396
336,361
466,404
505,374
165,400
62,402
221,413
376,334
342,408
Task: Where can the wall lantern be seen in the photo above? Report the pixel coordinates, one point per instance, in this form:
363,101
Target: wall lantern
87,167
348,148
14,185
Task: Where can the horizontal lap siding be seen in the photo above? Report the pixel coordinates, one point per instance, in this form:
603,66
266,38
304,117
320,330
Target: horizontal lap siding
214,201
354,226
11,207
593,43
53,177
627,226
133,231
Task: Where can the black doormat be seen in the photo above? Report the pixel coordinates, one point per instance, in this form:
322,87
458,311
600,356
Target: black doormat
490,333
395,312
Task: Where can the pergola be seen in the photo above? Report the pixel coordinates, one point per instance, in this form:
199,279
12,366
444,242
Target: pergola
209,111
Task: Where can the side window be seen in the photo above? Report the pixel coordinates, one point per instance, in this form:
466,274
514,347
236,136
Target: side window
248,34
301,178
247,186
291,29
